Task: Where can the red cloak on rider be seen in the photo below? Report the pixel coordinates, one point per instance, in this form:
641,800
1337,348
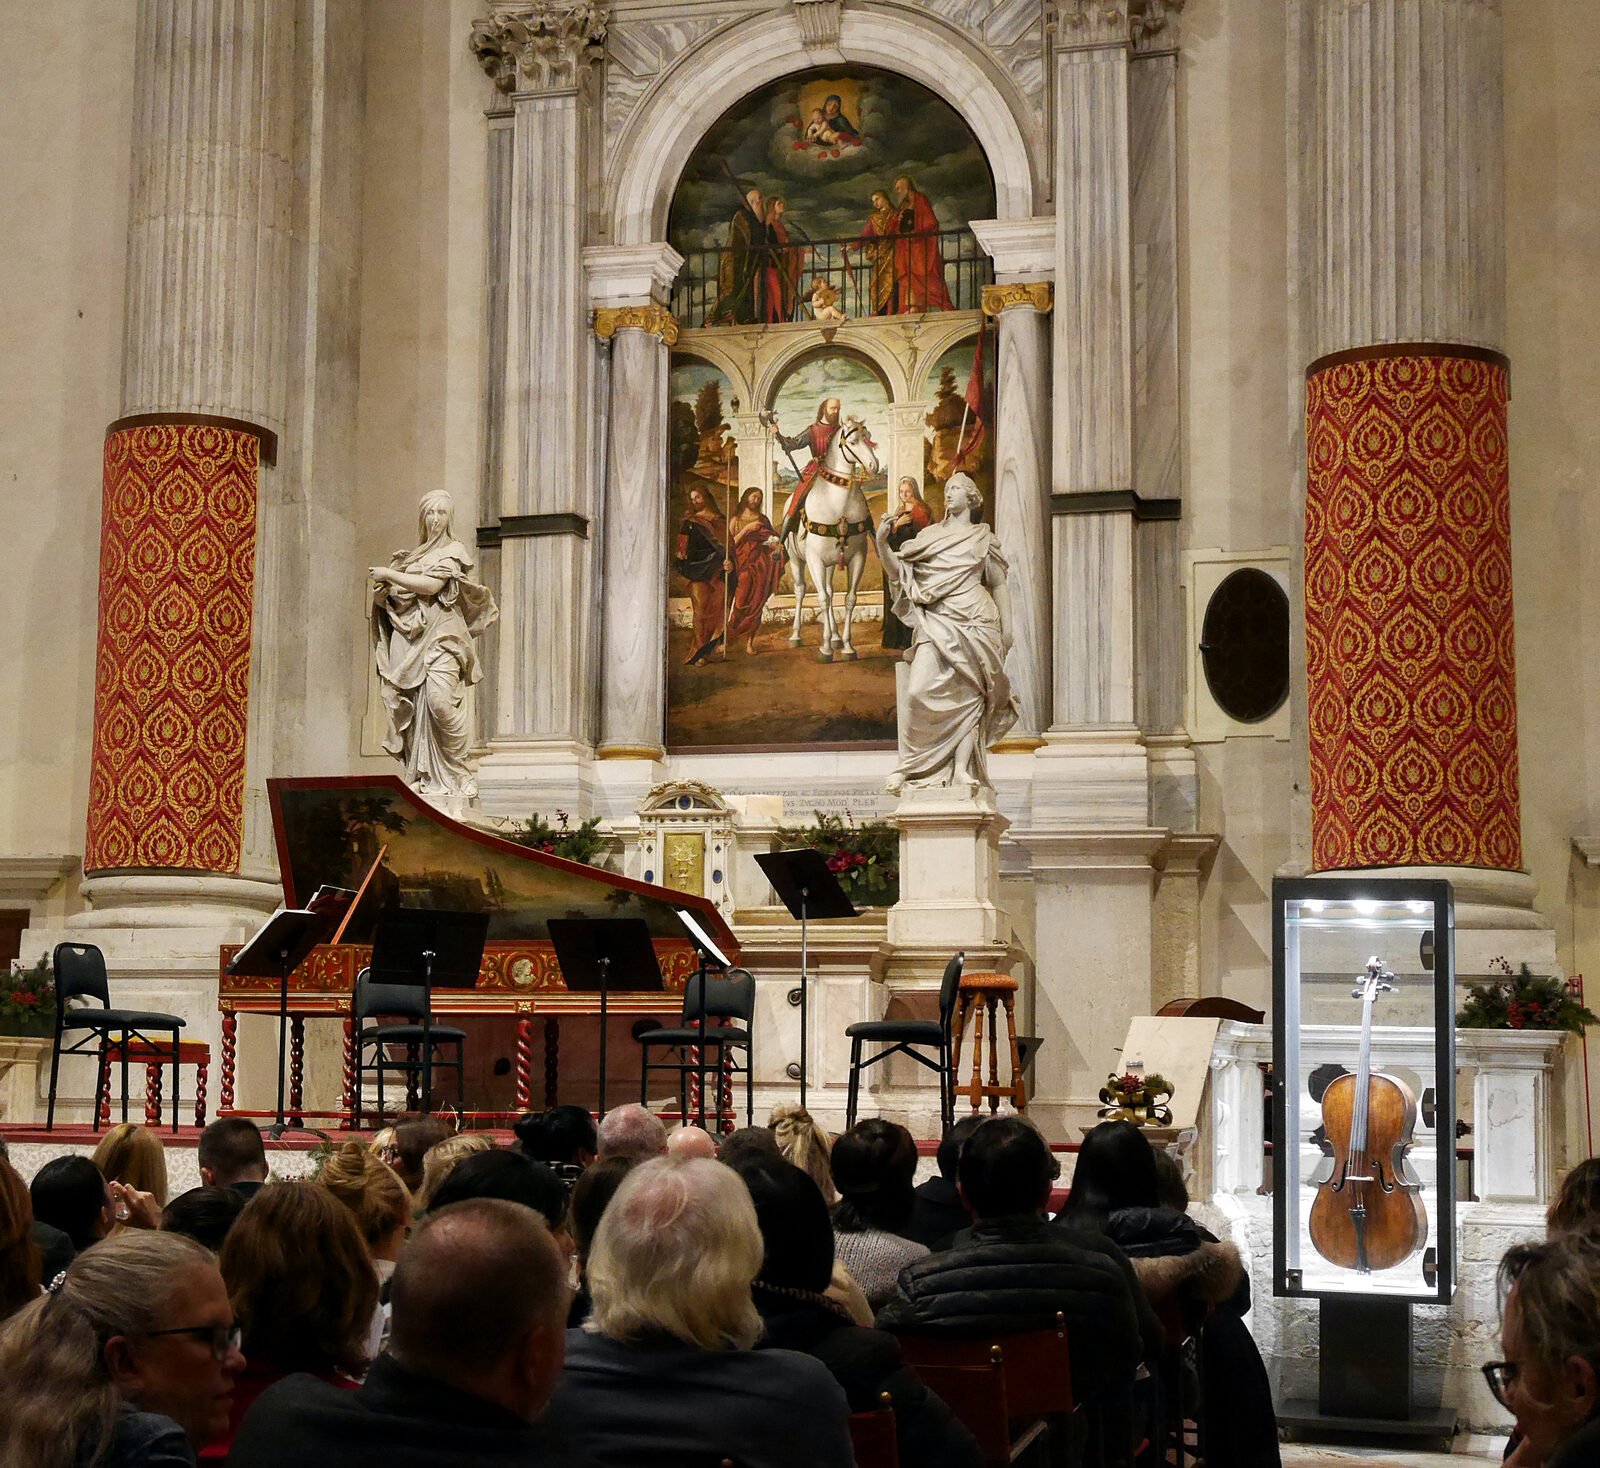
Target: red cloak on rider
817,437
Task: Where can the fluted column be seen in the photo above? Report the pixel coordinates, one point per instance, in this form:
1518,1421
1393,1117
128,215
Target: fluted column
633,695
204,395
1410,669
1022,490
543,56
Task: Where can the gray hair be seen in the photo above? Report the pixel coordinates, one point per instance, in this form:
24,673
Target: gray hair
632,1132
676,1252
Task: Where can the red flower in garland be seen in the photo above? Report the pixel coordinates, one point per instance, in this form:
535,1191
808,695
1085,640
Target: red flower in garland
23,997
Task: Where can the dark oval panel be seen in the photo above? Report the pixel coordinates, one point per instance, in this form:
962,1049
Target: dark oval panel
1244,645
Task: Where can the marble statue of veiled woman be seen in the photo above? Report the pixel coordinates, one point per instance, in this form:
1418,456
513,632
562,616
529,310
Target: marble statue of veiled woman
426,610
949,586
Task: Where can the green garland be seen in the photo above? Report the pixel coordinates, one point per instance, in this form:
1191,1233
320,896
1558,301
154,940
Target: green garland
582,842
865,858
27,999
1523,1001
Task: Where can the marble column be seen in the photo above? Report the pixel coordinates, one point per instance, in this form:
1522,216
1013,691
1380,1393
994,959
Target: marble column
633,694
1410,707
1022,490
544,57
908,441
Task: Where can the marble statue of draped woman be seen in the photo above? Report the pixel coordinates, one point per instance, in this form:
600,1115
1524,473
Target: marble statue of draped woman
426,611
949,586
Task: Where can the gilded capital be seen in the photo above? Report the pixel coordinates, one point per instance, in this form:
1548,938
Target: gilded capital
659,321
539,47
1037,294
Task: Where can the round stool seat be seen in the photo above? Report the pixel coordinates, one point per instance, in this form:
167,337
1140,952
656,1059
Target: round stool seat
981,983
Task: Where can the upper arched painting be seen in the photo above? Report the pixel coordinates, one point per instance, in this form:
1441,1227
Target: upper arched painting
831,195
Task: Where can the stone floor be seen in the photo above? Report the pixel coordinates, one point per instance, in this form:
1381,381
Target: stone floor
1467,1449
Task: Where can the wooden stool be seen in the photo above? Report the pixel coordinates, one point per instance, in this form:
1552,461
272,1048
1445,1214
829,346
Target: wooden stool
980,992
155,1057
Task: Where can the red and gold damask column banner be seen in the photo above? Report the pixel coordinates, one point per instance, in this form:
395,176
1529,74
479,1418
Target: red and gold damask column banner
172,667
1410,661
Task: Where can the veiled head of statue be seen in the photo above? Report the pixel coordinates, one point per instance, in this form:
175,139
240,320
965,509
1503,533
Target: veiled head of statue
437,507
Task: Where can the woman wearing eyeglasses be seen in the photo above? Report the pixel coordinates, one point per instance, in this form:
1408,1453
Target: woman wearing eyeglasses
129,1363
1550,1334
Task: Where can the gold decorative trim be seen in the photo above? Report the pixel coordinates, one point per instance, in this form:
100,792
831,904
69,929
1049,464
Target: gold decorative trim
1038,294
609,320
1017,744
630,751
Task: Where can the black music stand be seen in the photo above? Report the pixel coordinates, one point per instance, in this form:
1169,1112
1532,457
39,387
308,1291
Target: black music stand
806,887
279,947
436,949
589,950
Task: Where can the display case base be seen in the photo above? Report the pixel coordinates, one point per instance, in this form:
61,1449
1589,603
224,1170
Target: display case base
1302,1418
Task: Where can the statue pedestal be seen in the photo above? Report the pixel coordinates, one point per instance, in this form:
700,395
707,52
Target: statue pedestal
949,871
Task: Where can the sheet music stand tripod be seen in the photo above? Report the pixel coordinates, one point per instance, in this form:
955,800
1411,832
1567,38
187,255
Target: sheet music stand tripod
806,887
590,950
413,945
279,947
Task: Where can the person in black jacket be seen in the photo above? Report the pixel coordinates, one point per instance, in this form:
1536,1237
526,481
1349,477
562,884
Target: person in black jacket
796,1266
937,1212
1012,1271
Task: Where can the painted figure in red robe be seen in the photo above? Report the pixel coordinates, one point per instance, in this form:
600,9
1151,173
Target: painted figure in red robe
918,259
757,567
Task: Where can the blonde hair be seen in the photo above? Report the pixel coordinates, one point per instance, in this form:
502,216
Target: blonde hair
57,1400
676,1252
369,1188
440,1160
805,1144
134,1155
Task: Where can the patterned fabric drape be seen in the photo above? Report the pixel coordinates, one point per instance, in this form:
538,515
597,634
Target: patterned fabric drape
172,671
1410,660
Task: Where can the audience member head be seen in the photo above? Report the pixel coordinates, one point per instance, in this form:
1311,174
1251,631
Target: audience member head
442,1157
142,1318
134,1155
675,1254
204,1215
1550,1336
796,1232
591,1196
1171,1190
948,1156
1577,1203
374,1194
382,1146
805,1144
745,1140
632,1132
231,1152
874,1164
412,1139
301,1282
1005,1169
510,1176
1116,1168
19,1255
70,1193
691,1141
563,1137
479,1302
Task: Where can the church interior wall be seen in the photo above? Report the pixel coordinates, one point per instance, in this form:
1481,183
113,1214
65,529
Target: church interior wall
64,172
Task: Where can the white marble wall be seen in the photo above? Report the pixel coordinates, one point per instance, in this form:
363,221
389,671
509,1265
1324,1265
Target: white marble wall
1094,634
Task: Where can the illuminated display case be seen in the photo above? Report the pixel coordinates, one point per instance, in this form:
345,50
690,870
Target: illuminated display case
1364,1106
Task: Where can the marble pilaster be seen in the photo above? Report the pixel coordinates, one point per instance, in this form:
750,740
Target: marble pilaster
907,441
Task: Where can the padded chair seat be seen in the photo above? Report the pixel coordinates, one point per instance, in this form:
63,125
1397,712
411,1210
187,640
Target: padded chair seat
412,1034
690,1035
119,1019
895,1031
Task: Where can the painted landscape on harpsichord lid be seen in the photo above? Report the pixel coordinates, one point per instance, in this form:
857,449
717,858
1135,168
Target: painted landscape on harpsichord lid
333,834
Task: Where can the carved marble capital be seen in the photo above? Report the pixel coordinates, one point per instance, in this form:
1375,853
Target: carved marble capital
1038,295
1078,23
659,321
542,46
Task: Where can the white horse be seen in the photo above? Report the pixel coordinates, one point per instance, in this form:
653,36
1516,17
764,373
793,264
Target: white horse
834,529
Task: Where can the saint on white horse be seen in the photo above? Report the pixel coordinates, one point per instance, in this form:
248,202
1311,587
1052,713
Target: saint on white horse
826,522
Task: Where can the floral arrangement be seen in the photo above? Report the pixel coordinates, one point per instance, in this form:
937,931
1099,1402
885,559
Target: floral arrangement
582,842
1524,1001
1140,1099
27,999
865,858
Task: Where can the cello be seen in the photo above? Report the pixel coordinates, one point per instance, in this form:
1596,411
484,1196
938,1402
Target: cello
1368,1211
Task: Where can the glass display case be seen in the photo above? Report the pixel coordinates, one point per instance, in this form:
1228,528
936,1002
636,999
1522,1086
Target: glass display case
1363,1137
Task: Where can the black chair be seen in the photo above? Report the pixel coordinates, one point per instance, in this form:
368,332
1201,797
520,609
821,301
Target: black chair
911,1037
705,1040
79,971
408,1003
